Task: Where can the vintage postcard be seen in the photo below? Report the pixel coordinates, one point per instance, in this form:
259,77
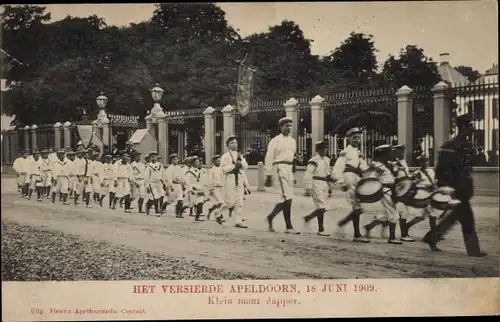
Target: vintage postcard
249,160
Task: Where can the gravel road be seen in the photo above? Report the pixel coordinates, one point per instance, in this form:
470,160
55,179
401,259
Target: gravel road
43,241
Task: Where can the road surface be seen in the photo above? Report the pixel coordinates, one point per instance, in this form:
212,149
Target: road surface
228,252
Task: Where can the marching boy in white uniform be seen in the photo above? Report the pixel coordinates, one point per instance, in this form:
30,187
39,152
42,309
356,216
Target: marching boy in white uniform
35,176
22,166
61,170
46,165
426,179
400,169
318,180
381,157
233,165
215,182
347,171
108,177
85,173
279,160
175,178
139,180
96,177
72,173
124,177
194,185
154,183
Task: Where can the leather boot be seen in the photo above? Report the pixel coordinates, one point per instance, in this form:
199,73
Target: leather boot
472,245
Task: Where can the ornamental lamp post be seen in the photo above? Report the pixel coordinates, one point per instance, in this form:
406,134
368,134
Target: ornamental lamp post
156,111
102,121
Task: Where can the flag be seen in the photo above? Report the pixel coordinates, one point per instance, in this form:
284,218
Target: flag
85,132
245,89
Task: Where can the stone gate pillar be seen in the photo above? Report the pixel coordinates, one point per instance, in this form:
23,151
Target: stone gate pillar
442,117
228,123
209,137
405,121
34,144
317,119
27,129
293,113
67,134
57,136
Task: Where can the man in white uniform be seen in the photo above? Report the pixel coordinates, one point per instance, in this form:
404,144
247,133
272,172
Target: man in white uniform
347,171
318,178
233,165
279,161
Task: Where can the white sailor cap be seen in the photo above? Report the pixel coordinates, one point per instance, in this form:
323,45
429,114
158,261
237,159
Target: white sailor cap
354,130
320,145
284,120
231,138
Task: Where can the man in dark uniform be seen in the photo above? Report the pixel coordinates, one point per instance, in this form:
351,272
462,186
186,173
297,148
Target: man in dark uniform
454,169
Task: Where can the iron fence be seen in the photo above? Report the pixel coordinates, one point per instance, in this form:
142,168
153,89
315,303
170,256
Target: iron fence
480,101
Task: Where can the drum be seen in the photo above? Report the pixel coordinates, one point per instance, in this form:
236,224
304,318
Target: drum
369,190
440,201
404,190
421,199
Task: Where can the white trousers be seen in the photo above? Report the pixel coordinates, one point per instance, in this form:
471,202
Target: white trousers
61,185
122,187
108,185
319,193
285,178
234,196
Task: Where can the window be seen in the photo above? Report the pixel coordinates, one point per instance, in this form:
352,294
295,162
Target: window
476,107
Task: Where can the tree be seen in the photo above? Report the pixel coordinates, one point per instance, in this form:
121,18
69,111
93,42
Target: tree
22,28
352,65
471,74
413,69
204,21
285,66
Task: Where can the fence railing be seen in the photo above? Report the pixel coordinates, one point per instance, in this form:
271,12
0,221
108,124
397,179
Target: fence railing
186,127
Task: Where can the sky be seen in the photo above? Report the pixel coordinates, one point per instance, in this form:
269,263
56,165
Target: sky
465,29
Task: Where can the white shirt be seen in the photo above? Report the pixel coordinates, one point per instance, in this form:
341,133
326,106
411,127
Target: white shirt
155,172
317,167
45,164
96,168
108,171
227,162
61,168
175,174
22,165
215,177
124,171
383,173
349,157
35,167
193,179
139,170
280,149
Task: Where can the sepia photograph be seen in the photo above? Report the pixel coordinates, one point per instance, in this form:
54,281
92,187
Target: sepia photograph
248,142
